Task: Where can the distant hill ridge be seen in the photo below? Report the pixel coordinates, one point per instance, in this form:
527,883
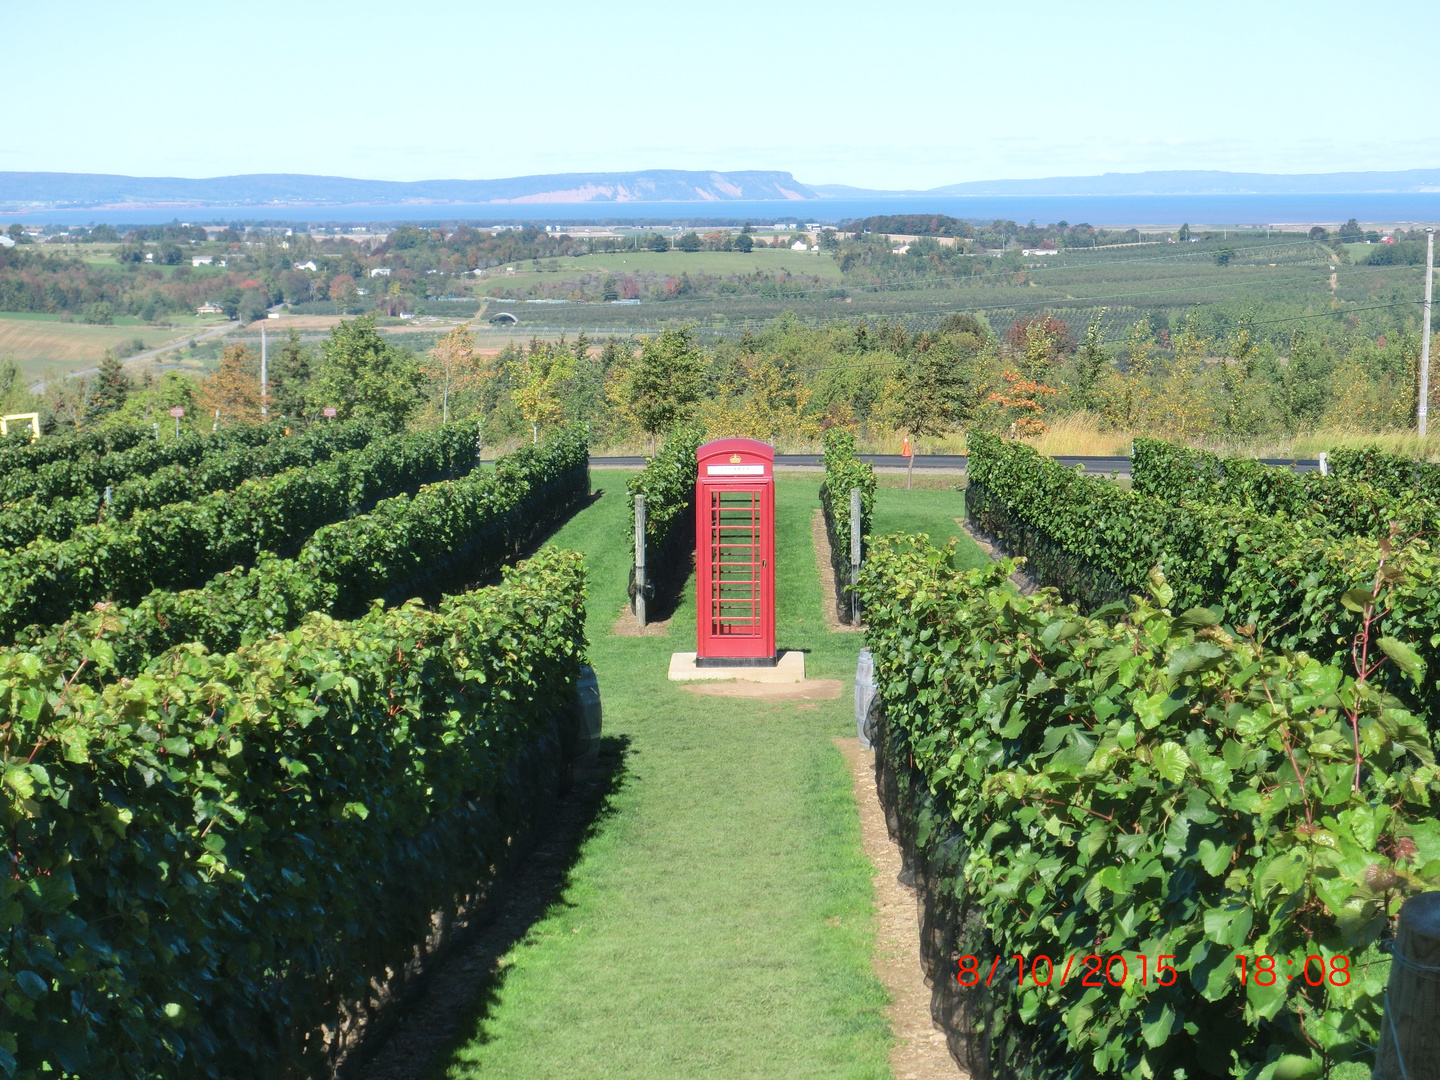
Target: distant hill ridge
55,190
101,190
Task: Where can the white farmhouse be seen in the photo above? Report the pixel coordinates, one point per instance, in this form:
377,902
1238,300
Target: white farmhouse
380,271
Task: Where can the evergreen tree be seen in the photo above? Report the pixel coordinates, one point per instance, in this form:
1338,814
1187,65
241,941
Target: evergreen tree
111,387
290,374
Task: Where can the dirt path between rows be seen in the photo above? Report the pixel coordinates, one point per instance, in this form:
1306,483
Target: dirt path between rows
821,538
1025,581
920,1051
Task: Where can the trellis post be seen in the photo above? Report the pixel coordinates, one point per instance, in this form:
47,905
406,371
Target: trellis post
854,554
1410,1029
640,560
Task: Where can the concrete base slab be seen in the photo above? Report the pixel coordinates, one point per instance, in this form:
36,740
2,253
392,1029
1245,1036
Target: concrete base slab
790,668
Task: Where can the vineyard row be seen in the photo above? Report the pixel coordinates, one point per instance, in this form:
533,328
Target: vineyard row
1146,783
181,544
229,839
455,532
39,517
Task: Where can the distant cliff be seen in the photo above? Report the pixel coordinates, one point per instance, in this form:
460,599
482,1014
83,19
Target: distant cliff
80,190
1175,182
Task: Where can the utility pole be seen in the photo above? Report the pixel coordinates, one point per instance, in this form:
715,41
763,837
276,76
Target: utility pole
1425,340
264,412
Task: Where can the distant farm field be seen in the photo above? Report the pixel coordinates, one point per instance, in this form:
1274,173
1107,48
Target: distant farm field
718,263
39,345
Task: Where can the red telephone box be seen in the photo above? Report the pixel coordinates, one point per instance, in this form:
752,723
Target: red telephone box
735,554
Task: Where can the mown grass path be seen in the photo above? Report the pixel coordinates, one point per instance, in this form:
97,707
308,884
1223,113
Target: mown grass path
719,920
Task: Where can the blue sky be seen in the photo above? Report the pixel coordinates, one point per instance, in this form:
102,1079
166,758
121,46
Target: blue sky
895,94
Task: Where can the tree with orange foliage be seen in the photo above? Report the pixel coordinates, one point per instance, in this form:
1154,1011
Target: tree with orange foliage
342,289
453,364
233,388
1021,398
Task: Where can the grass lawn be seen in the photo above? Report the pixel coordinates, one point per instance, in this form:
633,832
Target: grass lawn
930,511
719,922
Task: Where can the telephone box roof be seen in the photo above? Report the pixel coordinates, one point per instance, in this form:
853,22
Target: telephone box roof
736,446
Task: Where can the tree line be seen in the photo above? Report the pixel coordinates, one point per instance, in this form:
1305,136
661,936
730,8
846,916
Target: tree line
789,381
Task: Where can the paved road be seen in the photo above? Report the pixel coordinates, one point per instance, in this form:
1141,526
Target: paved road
1103,466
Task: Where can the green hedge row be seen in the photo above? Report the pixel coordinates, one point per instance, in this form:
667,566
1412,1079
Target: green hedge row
668,484
209,862
70,476
1144,786
1401,477
1344,506
1291,578
182,544
454,532
20,455
34,517
1088,536
844,472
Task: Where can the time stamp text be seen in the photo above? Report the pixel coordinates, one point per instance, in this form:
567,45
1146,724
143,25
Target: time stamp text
1115,969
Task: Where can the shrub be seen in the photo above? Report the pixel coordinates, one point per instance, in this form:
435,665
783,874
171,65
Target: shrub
1345,506
221,468
86,465
1401,477
19,457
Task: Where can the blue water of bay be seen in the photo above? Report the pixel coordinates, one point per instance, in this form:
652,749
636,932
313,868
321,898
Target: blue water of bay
1107,210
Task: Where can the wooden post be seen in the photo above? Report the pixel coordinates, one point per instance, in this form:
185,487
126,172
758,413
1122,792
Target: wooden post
854,554
640,560
1410,1030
